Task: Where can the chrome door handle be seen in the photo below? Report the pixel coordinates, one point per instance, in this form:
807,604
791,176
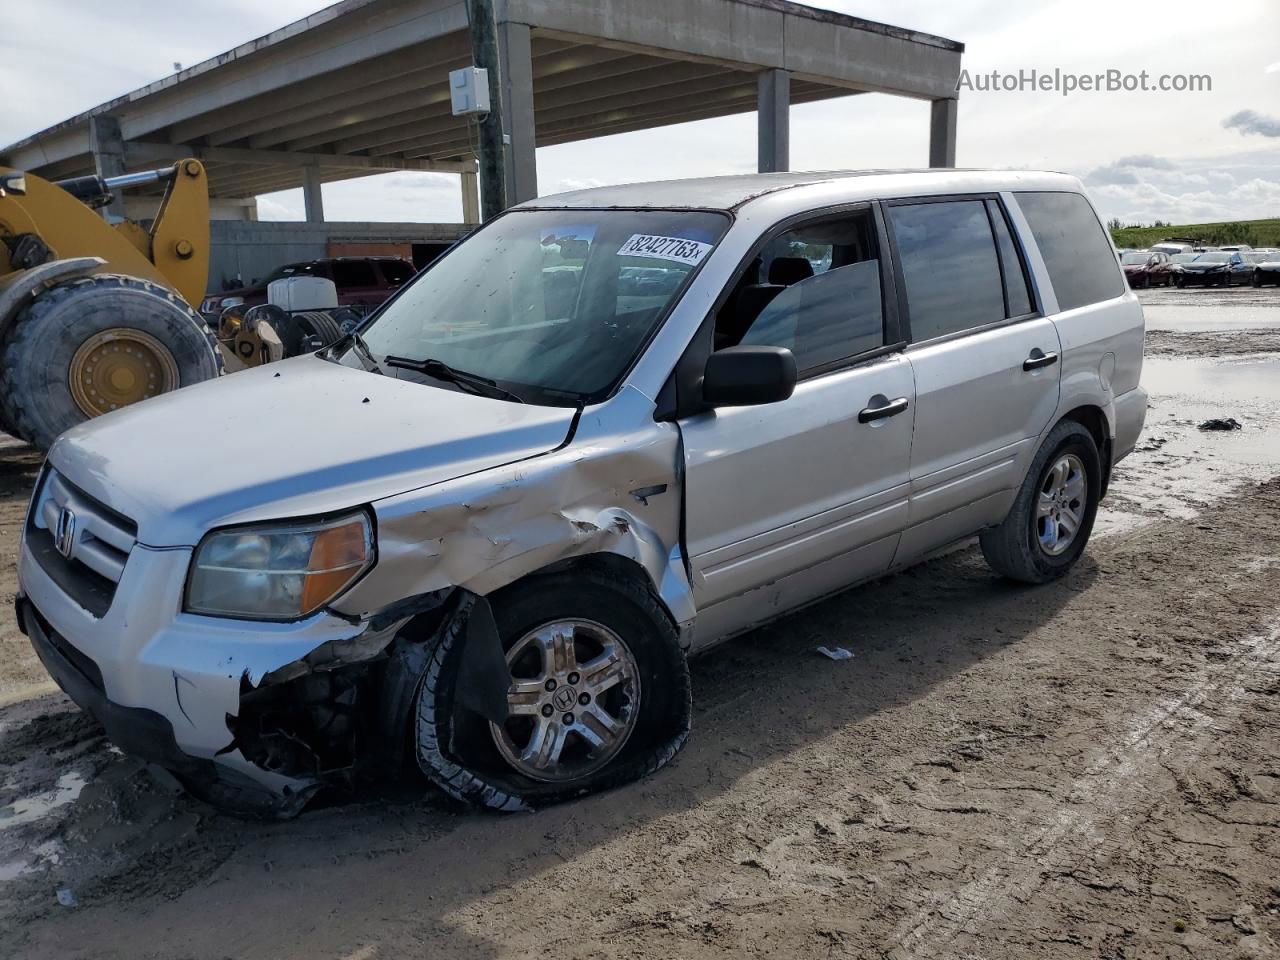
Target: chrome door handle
1039,359
881,407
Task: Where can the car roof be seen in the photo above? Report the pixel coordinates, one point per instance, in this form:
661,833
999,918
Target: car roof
732,192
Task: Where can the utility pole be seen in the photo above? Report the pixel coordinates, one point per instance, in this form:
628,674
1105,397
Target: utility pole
492,159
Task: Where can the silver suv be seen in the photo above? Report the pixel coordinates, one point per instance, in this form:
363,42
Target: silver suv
609,430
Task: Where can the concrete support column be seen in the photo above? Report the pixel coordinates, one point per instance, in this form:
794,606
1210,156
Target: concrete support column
107,146
942,133
312,201
773,121
515,53
470,198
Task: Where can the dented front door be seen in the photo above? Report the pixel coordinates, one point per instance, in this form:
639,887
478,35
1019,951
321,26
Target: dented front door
789,501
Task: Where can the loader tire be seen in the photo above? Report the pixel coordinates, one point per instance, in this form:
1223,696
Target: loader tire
94,344
306,324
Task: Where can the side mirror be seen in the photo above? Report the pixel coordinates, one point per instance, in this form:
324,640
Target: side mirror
746,376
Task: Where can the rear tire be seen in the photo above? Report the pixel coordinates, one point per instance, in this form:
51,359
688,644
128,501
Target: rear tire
460,751
87,329
1017,548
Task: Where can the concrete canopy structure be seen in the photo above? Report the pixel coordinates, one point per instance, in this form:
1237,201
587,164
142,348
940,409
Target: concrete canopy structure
361,87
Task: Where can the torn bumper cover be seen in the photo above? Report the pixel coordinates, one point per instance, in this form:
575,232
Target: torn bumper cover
323,719
148,735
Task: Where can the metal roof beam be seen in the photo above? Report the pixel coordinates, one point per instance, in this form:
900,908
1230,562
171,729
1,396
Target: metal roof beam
142,152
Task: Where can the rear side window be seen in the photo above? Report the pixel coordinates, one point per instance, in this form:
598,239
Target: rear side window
1074,246
814,290
949,266
354,273
396,271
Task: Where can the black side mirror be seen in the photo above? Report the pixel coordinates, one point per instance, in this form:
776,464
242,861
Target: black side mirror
746,376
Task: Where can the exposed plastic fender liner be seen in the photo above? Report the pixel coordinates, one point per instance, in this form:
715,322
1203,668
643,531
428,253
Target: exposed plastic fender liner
26,283
483,675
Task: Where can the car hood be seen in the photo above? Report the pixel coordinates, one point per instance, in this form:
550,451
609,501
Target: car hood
1202,267
1134,267
291,439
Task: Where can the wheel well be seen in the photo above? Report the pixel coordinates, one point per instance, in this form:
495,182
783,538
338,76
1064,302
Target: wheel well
611,563
1095,421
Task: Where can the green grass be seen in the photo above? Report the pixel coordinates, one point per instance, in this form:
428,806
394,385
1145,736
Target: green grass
1256,233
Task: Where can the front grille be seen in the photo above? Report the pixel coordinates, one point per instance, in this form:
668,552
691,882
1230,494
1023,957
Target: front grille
99,541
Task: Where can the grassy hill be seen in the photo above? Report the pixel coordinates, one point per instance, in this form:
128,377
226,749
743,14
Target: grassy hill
1256,233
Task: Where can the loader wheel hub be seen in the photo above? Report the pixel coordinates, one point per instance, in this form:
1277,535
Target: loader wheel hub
117,367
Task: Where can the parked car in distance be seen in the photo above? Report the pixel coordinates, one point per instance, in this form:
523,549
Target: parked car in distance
1148,268
1214,269
1173,248
488,530
1266,269
362,282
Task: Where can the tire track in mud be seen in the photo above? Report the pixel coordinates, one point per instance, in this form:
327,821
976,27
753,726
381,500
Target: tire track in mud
1107,796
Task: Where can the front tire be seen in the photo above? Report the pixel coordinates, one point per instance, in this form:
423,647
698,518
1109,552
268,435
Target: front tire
600,696
1051,518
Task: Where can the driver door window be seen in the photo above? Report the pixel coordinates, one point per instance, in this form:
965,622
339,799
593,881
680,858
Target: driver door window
814,290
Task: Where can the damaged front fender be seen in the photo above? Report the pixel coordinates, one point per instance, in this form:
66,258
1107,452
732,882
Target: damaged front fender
613,489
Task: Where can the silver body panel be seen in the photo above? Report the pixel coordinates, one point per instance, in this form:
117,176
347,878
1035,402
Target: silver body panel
779,504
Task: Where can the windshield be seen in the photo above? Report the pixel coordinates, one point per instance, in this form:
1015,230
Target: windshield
1214,258
1184,257
1132,259
553,305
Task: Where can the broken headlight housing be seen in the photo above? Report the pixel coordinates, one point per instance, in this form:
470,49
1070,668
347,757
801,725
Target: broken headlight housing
279,571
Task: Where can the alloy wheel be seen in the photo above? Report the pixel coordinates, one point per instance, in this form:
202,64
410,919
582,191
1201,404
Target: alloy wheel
1060,506
573,702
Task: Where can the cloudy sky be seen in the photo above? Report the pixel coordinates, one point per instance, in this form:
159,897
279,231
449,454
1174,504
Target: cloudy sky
1180,157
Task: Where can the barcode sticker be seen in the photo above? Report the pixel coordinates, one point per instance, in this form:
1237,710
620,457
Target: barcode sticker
665,248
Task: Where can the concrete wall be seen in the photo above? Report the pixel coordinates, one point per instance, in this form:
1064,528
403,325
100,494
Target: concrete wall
253,249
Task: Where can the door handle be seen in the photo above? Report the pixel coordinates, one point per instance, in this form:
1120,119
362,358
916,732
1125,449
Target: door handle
881,407
1039,359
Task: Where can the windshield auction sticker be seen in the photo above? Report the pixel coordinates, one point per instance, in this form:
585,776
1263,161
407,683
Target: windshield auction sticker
665,248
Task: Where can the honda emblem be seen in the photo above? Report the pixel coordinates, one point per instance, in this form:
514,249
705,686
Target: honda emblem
64,534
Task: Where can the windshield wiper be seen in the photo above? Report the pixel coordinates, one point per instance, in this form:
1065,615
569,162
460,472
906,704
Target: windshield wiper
439,370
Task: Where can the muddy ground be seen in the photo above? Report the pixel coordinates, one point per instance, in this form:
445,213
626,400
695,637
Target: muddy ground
1084,769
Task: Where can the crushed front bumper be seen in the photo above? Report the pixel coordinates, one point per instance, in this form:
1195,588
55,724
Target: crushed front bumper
168,685
147,735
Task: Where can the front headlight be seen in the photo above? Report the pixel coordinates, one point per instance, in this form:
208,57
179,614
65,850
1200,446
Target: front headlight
279,571
230,302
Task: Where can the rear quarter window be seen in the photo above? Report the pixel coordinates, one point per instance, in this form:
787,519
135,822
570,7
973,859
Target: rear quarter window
1074,246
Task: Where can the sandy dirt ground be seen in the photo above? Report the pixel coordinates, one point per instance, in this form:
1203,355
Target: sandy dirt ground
1084,769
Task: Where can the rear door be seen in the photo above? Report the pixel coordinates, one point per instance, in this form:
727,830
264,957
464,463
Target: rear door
788,501
985,360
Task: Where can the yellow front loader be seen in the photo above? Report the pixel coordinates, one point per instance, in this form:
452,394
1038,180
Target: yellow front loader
95,316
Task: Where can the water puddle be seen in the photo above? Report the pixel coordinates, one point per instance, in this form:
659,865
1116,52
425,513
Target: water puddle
1188,318
40,805
1177,468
